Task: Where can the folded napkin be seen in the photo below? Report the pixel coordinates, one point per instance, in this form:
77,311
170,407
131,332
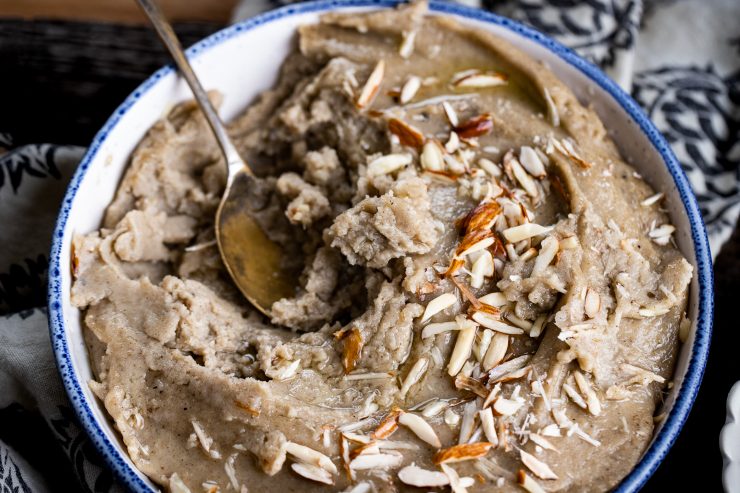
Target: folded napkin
680,60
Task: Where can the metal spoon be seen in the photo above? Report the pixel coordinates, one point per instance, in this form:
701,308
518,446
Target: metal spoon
254,261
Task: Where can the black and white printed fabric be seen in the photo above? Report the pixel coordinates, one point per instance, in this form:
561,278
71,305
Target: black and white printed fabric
680,60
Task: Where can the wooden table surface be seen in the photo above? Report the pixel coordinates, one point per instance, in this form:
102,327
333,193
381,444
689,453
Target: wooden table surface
117,10
61,80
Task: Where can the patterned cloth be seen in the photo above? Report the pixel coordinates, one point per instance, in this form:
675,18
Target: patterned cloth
680,60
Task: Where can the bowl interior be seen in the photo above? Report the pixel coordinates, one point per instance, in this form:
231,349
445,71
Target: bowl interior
242,61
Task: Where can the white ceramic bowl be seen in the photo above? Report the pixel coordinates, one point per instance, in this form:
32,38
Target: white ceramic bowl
243,60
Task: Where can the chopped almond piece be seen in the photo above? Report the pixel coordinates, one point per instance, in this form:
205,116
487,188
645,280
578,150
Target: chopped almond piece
432,156
462,350
420,428
388,425
539,468
496,350
352,349
372,86
528,483
475,127
438,304
414,375
478,80
314,473
388,164
465,451
408,135
422,478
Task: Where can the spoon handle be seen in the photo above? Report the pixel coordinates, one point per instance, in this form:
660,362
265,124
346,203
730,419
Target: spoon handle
234,161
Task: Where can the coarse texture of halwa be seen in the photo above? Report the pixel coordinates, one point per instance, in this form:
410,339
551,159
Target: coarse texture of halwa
480,267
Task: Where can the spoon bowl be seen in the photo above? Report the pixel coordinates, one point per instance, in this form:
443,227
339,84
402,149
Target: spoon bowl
254,262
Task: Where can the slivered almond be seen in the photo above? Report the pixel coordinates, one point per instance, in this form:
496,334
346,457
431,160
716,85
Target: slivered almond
352,349
388,425
491,322
497,299
516,364
408,135
310,456
574,396
479,80
372,86
524,232
454,165
592,303
438,304
506,407
406,49
433,329
489,425
549,249
542,441
640,375
653,311
314,473
489,167
434,408
177,485
539,468
451,114
524,178
652,199
467,423
481,217
539,389
462,350
344,452
409,89
495,391
414,375
432,157
475,127
528,483
422,478
453,143
528,255
365,448
455,266
483,341
456,484
462,452
568,148
594,406
388,164
475,241
551,430
525,325
463,382
512,375
552,110
537,326
482,268
496,350
376,461
531,161
420,428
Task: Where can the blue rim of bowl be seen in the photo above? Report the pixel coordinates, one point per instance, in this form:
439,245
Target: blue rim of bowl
650,460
